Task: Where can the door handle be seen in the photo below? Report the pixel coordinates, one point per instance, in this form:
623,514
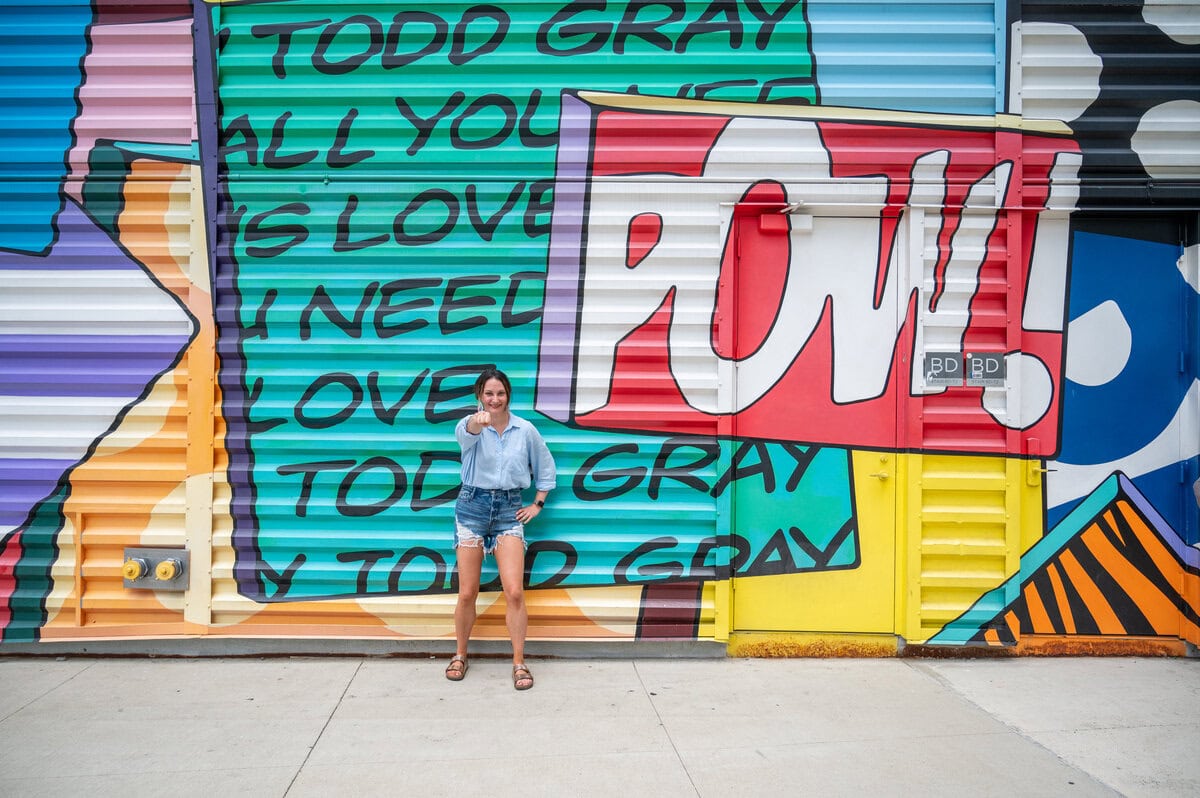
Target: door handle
1034,471
881,475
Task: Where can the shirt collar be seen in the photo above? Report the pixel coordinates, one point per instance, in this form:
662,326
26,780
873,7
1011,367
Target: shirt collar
514,421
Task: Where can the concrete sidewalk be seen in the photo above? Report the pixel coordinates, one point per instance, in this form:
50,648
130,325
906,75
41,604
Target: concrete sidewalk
349,726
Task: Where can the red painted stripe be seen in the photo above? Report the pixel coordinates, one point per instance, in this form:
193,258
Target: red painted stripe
10,555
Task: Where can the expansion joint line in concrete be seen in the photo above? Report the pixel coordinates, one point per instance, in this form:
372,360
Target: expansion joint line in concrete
661,723
324,726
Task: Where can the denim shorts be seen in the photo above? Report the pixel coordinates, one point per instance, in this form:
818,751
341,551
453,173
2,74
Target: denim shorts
482,516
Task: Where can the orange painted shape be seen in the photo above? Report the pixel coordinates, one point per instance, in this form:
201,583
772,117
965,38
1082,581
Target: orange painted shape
552,614
1060,599
1163,559
1038,617
317,618
142,224
1106,620
1159,610
1094,646
1111,521
1014,623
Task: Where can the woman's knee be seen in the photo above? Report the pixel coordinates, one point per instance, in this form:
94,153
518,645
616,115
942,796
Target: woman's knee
514,596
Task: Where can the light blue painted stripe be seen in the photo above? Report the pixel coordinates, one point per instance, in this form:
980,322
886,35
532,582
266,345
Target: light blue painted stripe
936,55
1003,23
58,31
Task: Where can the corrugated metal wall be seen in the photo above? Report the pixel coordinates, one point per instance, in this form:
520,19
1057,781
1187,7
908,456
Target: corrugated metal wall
1131,120
97,323
437,214
387,197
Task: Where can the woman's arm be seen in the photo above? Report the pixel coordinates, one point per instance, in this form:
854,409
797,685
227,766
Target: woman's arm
541,464
476,422
466,436
532,511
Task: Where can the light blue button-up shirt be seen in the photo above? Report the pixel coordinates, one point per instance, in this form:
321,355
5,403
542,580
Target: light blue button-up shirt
514,459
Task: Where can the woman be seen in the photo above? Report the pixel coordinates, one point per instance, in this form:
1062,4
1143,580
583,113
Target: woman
500,454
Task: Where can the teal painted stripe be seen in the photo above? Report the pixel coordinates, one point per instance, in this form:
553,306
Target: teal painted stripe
32,571
167,152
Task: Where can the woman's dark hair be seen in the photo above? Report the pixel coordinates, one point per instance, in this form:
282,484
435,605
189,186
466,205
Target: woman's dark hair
493,374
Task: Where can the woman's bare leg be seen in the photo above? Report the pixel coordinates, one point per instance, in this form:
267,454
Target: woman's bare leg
470,563
510,562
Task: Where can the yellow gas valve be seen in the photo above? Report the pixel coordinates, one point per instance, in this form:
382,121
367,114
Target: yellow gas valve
168,569
135,568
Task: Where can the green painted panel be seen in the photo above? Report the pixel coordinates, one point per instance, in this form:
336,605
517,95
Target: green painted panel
387,183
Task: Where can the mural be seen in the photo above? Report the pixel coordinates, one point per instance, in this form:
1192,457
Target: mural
822,304
92,312
896,334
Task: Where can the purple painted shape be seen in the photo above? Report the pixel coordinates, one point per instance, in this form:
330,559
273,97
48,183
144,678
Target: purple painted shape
83,365
81,244
1190,555
23,483
560,314
208,121
235,403
110,366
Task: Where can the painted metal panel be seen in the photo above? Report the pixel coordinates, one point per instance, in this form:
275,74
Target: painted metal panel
1123,75
41,46
937,56
393,195
389,172
964,525
96,318
967,511
844,187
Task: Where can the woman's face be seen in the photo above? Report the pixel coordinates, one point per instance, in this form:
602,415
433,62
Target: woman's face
493,397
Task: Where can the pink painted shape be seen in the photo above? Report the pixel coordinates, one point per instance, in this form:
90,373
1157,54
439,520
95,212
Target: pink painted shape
138,85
